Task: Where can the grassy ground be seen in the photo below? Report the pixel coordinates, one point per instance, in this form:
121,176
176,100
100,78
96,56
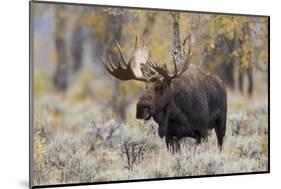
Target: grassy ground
77,143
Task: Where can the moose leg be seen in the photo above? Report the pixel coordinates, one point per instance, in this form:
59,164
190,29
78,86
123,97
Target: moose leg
169,143
172,144
177,146
197,137
220,130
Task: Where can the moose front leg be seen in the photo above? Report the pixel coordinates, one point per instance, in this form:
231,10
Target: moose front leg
162,118
162,129
172,144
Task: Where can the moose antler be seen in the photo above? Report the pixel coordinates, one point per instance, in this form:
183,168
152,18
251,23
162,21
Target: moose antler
162,68
123,70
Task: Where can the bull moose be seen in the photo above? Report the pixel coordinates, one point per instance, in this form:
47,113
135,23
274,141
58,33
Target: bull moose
185,103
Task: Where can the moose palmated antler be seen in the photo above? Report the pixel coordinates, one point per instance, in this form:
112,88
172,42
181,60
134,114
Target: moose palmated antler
123,70
162,68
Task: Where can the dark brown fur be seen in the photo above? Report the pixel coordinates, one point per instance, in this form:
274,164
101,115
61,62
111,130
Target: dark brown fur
185,107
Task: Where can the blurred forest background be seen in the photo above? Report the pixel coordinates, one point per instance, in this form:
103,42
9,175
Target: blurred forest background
84,120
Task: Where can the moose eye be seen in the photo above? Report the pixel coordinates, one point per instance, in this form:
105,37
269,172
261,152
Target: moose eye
159,89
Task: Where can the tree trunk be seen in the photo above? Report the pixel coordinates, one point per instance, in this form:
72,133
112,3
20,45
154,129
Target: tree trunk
115,26
60,76
149,23
177,40
249,69
77,48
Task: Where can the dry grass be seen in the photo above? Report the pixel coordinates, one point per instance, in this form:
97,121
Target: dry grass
78,142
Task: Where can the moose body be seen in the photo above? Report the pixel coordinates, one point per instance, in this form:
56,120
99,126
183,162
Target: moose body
184,104
193,103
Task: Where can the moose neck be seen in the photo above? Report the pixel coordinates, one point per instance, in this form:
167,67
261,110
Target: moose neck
162,117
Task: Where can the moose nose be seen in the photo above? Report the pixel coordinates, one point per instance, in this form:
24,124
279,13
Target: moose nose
143,111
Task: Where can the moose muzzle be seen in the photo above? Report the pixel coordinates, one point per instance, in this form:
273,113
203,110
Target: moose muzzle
144,108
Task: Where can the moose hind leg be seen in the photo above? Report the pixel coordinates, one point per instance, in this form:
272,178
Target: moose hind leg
220,126
172,144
